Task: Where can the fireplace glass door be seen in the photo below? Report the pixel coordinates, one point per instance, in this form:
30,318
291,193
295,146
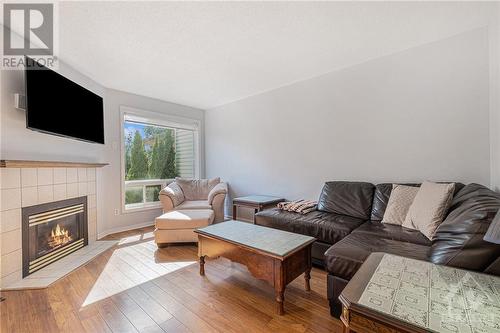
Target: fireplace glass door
52,231
49,236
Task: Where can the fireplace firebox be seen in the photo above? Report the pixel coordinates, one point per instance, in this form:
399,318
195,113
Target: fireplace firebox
51,231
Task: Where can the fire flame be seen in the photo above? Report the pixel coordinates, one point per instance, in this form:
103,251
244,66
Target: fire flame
59,236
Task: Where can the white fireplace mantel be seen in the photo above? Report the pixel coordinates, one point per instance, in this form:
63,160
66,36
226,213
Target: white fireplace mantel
48,164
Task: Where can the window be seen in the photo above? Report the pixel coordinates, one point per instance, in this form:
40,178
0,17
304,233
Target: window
155,151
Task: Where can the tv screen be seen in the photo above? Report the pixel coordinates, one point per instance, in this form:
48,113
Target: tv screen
57,105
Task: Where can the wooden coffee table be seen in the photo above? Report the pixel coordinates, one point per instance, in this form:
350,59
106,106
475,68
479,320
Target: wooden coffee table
255,202
393,294
275,256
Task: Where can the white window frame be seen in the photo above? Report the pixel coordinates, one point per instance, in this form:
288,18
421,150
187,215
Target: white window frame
160,119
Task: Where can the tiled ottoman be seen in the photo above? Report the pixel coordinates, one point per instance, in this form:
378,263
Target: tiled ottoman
177,226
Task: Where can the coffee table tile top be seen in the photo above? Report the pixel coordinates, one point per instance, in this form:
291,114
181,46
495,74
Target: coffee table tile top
258,199
276,242
436,298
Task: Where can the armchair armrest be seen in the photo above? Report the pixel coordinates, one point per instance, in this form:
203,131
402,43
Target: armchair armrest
171,195
220,188
166,203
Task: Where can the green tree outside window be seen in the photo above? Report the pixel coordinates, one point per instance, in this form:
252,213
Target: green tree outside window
138,159
150,153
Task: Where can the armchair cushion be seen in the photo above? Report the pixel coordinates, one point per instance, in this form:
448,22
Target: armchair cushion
194,204
174,192
220,188
196,189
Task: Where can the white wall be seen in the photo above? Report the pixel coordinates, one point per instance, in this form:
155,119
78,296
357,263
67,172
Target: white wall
17,142
414,115
494,37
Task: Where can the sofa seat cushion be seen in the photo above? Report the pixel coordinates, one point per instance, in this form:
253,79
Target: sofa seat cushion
394,232
345,257
184,219
325,227
194,204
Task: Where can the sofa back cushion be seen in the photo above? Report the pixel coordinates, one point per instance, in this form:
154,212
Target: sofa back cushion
458,241
380,199
196,189
347,198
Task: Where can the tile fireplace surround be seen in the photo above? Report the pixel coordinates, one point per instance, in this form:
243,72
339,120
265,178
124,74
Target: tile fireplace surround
31,183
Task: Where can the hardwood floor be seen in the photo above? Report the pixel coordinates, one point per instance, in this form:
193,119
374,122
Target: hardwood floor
136,287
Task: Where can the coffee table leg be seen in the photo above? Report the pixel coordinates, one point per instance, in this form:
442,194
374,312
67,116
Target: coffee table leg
307,278
280,299
202,265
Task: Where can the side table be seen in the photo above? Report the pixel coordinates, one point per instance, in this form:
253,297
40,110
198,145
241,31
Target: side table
256,202
394,294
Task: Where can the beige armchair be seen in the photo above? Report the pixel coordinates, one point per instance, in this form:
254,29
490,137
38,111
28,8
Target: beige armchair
189,194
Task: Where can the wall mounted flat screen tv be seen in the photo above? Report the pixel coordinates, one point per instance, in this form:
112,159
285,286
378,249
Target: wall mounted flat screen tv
57,105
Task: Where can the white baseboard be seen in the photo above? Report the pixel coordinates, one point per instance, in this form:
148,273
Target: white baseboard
100,235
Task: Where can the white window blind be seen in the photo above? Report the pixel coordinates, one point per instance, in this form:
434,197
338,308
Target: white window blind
185,153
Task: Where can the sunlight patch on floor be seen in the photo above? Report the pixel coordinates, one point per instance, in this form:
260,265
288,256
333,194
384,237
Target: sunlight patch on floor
128,267
136,238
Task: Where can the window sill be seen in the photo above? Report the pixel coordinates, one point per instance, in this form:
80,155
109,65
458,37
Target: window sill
133,208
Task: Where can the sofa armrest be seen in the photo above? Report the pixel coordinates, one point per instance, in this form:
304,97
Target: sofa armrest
171,196
220,188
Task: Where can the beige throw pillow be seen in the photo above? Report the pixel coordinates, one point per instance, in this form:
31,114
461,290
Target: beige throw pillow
427,210
399,203
197,189
174,191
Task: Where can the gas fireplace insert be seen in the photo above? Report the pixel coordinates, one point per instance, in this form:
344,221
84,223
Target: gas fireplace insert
51,231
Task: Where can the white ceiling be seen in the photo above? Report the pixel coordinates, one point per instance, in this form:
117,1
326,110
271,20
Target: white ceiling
208,54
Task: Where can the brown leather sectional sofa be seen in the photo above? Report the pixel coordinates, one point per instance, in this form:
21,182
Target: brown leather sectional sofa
348,228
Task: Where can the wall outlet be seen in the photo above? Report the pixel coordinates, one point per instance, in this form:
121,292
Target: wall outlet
117,212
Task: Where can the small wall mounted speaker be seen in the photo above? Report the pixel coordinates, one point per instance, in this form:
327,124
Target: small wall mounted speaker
20,102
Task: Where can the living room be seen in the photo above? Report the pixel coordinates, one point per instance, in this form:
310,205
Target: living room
250,166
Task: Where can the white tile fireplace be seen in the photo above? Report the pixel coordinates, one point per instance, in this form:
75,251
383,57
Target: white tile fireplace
29,183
